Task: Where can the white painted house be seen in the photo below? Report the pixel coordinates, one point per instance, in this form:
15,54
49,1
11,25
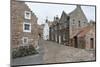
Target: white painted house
46,31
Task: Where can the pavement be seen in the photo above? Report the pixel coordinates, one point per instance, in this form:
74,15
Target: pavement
51,52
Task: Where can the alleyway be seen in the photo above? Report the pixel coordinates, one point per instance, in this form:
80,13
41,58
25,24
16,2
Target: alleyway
51,52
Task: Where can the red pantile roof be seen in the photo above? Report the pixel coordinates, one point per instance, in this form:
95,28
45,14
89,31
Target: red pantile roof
84,31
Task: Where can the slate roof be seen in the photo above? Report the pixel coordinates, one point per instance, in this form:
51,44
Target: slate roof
78,9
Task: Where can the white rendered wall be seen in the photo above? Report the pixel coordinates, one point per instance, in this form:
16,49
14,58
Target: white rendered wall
46,32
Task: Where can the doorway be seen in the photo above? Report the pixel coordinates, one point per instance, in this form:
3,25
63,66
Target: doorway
75,42
91,43
59,39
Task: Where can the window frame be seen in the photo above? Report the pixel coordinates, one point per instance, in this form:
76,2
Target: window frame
79,23
27,40
24,27
29,17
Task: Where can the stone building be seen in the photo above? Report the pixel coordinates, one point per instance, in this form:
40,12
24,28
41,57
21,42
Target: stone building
58,31
86,37
24,31
68,28
78,21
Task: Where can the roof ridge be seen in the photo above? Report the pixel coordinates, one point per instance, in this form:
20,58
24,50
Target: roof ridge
78,7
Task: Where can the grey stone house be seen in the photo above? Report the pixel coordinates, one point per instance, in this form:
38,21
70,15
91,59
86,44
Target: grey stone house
59,29
66,29
78,21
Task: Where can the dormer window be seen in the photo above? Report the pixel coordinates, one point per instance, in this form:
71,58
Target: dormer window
27,15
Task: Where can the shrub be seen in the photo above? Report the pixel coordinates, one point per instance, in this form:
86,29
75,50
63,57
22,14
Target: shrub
23,51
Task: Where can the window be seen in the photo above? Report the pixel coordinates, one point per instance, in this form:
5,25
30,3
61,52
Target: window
27,27
27,15
79,23
25,40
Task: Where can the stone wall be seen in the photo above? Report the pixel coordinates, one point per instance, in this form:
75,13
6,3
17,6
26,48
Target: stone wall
78,20
17,20
89,35
59,30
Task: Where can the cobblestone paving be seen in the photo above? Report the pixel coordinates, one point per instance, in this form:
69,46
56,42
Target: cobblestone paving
51,52
55,53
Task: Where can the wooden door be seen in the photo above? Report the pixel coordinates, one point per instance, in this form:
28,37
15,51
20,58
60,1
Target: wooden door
91,43
75,42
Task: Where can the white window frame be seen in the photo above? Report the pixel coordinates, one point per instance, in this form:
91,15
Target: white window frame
29,17
24,43
24,27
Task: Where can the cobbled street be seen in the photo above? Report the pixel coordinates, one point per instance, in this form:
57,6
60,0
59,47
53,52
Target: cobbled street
55,53
51,52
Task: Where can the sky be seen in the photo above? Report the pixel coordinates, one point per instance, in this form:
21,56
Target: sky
44,10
